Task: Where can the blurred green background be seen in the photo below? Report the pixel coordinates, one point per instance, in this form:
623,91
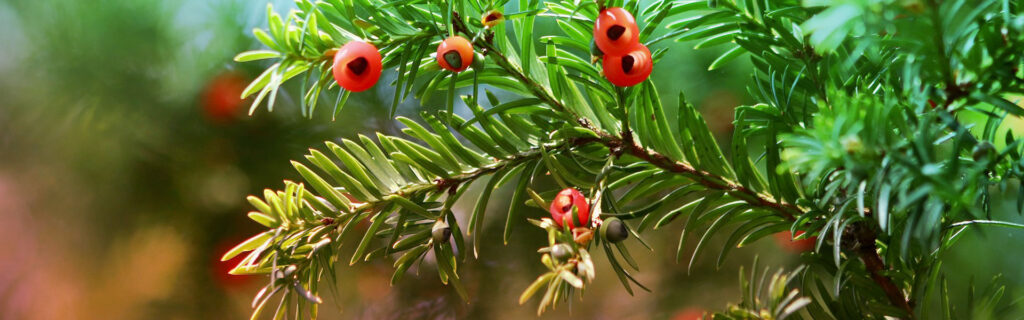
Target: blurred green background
125,158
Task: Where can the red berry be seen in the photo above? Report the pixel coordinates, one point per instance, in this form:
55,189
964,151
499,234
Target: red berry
455,53
223,97
690,313
357,66
629,69
785,239
615,31
220,269
563,205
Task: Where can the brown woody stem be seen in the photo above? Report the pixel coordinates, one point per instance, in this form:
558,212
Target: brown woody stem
868,253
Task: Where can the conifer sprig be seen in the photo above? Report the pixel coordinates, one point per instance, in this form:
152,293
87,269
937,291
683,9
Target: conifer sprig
859,141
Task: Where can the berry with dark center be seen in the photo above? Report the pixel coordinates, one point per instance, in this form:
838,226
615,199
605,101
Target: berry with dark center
357,66
455,54
440,232
615,31
614,230
567,204
492,18
629,69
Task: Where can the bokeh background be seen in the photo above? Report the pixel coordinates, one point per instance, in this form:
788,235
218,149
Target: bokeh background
125,158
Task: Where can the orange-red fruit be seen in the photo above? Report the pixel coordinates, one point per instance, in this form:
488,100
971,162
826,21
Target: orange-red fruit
455,53
221,269
785,239
357,66
562,207
629,69
222,97
615,31
690,313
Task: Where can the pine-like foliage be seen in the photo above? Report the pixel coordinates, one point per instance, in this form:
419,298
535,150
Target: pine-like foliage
859,140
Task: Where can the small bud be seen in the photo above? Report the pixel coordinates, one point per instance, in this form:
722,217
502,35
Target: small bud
441,232
561,252
285,272
580,271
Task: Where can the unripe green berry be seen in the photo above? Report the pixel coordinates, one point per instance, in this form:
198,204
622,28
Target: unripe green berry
614,230
478,61
441,232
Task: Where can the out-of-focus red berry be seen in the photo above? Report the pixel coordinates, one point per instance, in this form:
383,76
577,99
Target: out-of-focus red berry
689,314
785,240
222,97
220,269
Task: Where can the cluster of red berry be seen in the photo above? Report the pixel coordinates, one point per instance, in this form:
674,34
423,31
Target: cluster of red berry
627,62
357,65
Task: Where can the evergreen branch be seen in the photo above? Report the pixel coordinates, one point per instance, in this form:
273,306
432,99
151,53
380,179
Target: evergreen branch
706,179
619,144
401,190
373,187
452,182
867,253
